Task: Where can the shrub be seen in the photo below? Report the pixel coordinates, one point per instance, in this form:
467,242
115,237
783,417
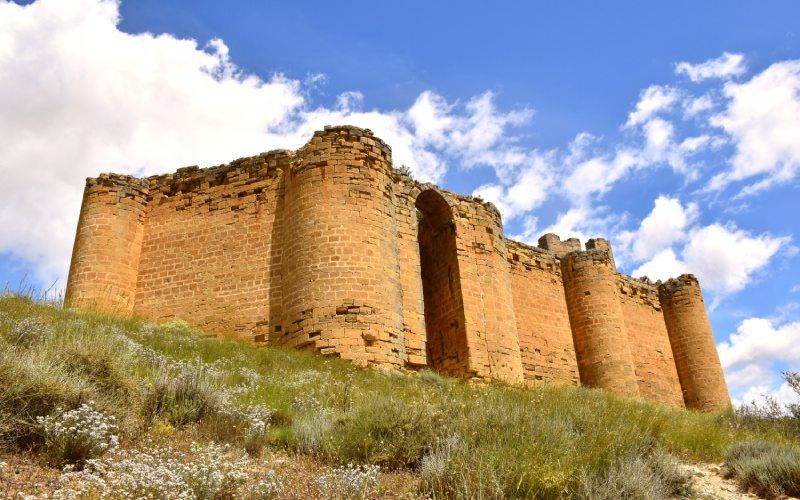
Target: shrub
310,428
768,469
33,384
435,465
30,331
75,436
387,430
657,476
267,488
350,481
211,473
181,396
247,425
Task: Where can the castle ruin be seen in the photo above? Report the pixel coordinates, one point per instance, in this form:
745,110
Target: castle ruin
331,248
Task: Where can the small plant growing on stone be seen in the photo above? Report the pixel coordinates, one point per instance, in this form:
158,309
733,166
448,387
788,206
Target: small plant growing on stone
74,436
349,482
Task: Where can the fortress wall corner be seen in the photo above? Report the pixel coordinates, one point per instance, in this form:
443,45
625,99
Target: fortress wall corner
540,308
649,341
211,244
598,325
491,326
108,241
340,268
693,348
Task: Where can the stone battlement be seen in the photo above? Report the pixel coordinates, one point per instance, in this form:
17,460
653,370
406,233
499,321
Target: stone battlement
331,248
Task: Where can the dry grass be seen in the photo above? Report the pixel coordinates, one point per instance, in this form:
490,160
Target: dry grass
454,439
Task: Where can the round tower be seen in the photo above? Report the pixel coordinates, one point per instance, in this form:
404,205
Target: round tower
108,243
598,326
693,348
341,270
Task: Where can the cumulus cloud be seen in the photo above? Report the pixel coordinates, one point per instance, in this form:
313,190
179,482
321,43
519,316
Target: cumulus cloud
725,66
670,241
751,354
760,339
664,226
763,119
524,183
652,100
78,96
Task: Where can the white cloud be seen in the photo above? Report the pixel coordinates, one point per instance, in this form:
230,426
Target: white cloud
664,226
653,99
669,240
749,356
525,181
693,106
726,258
663,266
78,96
759,339
725,66
763,119
758,394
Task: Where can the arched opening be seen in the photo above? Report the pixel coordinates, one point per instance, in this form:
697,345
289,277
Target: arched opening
441,286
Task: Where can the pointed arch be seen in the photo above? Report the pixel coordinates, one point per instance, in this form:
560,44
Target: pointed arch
446,342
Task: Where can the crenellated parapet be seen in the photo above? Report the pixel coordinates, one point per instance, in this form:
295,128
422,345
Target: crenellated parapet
693,347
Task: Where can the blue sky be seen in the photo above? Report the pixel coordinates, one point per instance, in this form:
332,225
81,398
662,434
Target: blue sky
671,128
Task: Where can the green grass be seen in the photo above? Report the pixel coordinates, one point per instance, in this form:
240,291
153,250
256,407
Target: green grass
467,441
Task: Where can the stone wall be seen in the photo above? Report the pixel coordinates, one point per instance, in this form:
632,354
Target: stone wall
332,249
545,336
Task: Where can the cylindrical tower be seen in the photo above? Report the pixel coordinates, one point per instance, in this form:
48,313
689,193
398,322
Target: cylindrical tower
108,243
696,357
341,270
598,326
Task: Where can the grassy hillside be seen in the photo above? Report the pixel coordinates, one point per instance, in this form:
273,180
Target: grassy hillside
172,389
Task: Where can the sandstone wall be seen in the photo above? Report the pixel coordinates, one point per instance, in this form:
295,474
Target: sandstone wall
545,336
206,251
598,324
696,356
330,248
108,242
654,365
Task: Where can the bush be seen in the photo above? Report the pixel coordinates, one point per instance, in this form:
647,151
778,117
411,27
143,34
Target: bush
30,331
767,469
72,437
181,395
247,425
350,481
391,431
210,473
33,384
267,488
657,476
310,428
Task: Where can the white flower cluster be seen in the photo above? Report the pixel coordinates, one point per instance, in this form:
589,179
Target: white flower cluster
257,418
350,481
29,331
267,488
79,434
205,472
